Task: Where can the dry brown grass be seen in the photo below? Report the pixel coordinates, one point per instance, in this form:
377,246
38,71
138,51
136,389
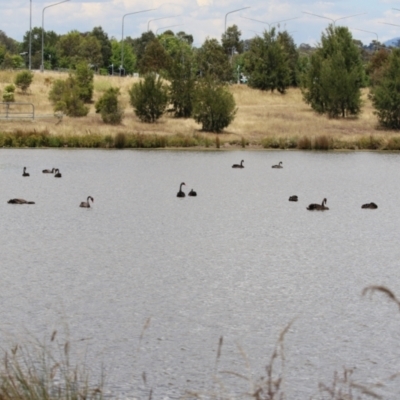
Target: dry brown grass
263,118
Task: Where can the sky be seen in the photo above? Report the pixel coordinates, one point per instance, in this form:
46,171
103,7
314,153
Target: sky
206,18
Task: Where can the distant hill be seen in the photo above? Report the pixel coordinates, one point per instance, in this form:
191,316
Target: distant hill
392,42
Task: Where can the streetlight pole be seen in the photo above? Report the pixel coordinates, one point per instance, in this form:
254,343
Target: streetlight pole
52,5
331,19
157,19
122,41
270,23
166,27
230,12
30,35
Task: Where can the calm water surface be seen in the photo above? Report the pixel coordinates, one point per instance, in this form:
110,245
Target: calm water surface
238,261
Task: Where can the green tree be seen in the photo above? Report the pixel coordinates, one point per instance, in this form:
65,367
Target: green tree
90,51
69,49
84,78
12,61
105,45
149,98
49,51
139,45
212,61
65,97
231,41
129,57
267,63
23,80
377,66
155,58
109,107
332,83
214,106
292,54
182,88
385,95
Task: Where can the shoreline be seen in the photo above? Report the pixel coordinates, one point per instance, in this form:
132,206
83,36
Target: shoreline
198,141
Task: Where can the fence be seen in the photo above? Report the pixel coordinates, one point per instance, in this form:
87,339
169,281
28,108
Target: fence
16,110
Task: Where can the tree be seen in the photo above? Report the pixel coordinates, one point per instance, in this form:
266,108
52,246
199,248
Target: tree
149,98
69,49
50,42
212,61
23,80
385,95
214,106
267,63
139,45
129,57
182,88
155,58
377,66
105,45
84,79
109,107
90,51
289,47
332,83
231,40
65,97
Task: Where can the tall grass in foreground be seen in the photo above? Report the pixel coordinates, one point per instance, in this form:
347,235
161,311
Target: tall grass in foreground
122,140
38,373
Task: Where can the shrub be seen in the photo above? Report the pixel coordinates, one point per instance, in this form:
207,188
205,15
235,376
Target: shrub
65,97
149,98
385,95
84,79
23,80
8,95
109,108
214,106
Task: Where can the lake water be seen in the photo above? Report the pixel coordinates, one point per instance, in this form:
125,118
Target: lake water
238,261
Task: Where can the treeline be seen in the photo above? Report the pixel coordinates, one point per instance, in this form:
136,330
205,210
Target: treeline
330,76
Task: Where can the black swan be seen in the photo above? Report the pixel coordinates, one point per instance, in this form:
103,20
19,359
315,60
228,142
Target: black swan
278,165
86,204
318,207
20,201
58,174
49,171
238,165
293,198
192,193
180,193
371,206
25,173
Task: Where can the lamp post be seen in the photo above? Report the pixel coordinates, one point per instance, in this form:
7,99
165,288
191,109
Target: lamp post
230,12
374,33
30,35
270,23
122,41
52,5
157,19
166,27
331,19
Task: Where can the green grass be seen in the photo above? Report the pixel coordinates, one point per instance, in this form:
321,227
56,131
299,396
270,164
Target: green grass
122,140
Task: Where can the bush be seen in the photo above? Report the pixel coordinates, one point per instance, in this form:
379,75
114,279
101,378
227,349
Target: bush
149,98
84,79
214,106
109,108
23,80
65,97
8,95
385,95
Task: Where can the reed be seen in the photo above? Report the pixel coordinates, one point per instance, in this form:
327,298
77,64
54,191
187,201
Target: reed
45,372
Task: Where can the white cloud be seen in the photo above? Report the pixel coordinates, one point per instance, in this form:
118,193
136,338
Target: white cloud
203,18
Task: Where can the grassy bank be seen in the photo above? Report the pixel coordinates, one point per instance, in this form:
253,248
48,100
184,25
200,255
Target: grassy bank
30,139
264,120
